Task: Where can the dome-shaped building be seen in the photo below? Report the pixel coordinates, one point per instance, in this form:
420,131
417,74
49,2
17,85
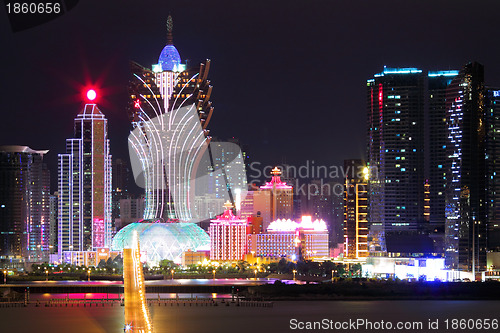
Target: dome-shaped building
169,59
162,240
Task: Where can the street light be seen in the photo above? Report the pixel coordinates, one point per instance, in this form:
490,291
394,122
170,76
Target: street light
89,274
46,275
4,277
294,271
255,274
213,273
172,271
332,275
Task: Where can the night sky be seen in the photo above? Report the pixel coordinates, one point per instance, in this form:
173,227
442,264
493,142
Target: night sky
289,77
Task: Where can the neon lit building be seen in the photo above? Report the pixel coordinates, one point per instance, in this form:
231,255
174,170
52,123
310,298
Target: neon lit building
356,210
281,196
171,159
465,194
395,152
293,240
162,240
228,236
169,109
24,204
426,269
84,185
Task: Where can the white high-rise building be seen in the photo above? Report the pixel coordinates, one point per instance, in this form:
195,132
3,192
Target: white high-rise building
84,187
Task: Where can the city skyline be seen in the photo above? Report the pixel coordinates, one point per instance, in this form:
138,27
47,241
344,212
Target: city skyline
287,40
350,174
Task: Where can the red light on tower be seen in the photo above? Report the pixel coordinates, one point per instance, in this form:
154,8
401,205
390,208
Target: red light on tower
91,94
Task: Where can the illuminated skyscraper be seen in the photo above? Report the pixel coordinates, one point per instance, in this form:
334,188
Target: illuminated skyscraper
24,204
466,225
85,185
395,151
166,139
228,236
355,209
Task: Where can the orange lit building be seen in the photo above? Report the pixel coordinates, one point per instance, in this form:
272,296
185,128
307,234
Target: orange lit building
355,210
194,257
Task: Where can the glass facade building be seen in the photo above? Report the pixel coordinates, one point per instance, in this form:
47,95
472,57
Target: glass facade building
355,209
395,152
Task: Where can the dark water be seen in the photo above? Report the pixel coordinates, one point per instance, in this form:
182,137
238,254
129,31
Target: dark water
196,319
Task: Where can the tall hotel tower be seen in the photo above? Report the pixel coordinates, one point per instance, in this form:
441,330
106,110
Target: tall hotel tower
465,195
156,97
24,205
395,151
85,185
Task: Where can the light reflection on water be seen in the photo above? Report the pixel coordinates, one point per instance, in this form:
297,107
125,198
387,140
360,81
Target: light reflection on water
152,296
225,281
196,319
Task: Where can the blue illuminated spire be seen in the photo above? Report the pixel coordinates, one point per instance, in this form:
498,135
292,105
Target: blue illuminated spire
169,58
